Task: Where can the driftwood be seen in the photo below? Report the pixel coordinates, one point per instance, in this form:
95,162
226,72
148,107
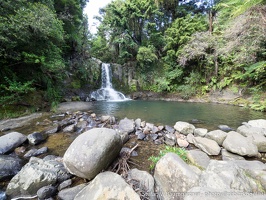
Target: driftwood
121,165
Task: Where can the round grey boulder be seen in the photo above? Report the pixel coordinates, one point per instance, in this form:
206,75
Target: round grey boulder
9,166
11,141
107,185
92,151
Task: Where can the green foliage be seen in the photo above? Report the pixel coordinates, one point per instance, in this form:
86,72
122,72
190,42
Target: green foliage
181,152
12,91
146,57
187,91
38,39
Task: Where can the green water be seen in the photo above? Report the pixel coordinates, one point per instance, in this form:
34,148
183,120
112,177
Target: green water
169,112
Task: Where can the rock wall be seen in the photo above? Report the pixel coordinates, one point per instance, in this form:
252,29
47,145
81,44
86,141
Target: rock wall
124,76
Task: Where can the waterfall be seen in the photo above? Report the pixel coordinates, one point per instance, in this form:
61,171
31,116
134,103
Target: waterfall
107,92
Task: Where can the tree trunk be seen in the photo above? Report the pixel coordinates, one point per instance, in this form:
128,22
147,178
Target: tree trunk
210,22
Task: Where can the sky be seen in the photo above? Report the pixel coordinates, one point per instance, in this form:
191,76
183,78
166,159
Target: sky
92,9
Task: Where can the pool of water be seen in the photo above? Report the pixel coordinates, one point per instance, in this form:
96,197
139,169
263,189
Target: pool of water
168,112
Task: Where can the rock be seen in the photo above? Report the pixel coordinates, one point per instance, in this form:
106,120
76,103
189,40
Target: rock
70,193
46,192
105,118
247,130
20,150
18,122
69,129
209,146
52,129
226,155
127,150
217,135
182,143
137,123
237,143
226,175
107,185
64,184
169,129
173,175
126,125
184,127
198,158
9,166
144,180
200,132
155,130
170,139
36,138
80,126
11,141
260,123
140,135
146,130
190,138
34,175
161,127
142,124
74,106
153,136
207,193
225,128
36,152
92,151
159,141
260,142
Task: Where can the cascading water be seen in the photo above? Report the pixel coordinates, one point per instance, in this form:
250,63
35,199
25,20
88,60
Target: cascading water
107,92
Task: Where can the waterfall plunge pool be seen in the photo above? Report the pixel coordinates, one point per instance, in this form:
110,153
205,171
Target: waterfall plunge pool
211,115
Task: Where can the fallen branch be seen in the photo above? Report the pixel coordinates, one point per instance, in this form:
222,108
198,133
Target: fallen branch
121,165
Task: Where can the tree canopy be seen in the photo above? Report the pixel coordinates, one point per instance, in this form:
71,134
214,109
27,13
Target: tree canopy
187,46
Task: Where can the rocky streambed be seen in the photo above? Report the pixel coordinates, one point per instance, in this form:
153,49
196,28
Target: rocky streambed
79,155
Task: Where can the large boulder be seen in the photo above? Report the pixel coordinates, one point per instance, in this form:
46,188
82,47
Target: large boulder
209,146
226,155
172,175
36,174
143,181
237,143
200,132
92,151
260,142
232,175
198,158
107,185
247,130
9,166
126,125
217,135
184,127
11,141
260,123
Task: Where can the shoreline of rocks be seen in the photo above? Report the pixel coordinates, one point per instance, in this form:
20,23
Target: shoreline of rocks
101,138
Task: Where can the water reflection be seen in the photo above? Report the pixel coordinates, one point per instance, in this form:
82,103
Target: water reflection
170,112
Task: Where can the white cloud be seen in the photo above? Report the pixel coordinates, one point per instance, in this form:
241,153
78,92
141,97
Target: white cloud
92,9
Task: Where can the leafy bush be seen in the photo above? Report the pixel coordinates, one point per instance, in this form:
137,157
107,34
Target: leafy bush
12,91
187,91
181,152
